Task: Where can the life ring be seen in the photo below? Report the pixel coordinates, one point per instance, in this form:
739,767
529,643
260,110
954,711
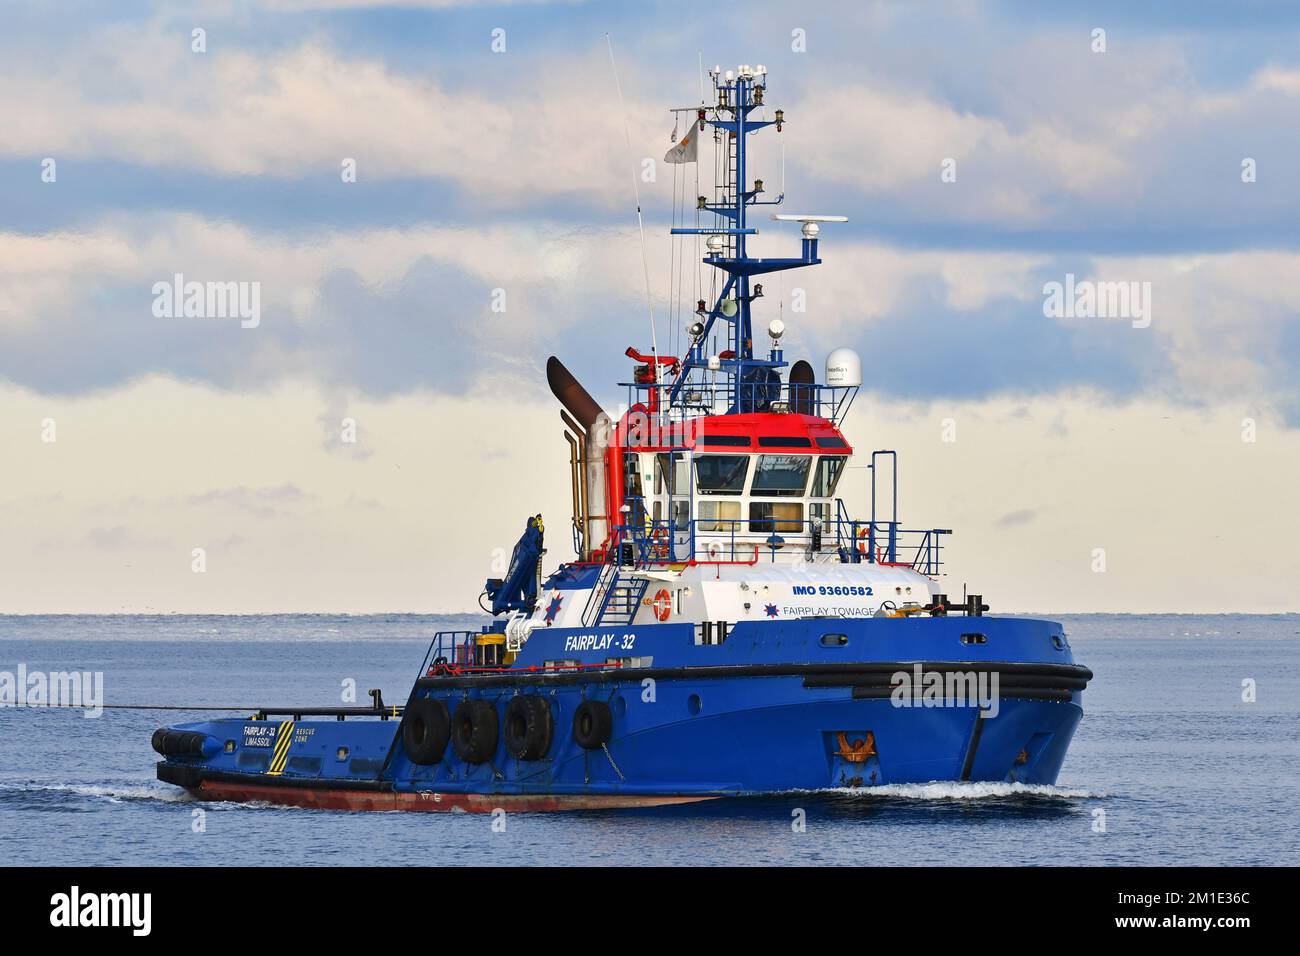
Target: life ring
593,724
474,731
659,543
662,605
528,727
426,728
862,541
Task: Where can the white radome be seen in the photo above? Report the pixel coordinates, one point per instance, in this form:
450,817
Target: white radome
843,368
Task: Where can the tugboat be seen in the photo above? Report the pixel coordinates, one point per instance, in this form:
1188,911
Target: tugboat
726,628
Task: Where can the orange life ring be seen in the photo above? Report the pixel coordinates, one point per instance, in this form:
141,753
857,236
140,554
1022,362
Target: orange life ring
862,544
659,543
663,605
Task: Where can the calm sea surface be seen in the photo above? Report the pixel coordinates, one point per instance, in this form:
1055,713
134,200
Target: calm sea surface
1184,769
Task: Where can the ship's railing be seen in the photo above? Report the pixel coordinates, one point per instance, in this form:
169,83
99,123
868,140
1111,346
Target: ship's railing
460,650
660,543
700,399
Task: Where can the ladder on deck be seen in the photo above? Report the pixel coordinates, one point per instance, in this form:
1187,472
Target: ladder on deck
615,599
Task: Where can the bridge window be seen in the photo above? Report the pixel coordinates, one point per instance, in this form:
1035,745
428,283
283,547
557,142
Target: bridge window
673,467
632,475
781,475
784,517
827,475
721,474
720,516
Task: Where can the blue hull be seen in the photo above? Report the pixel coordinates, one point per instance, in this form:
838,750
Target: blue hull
699,721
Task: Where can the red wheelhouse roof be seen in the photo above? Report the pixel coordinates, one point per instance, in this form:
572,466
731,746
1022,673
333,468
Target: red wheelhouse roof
755,431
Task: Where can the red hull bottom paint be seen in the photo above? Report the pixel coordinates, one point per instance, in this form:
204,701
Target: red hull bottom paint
321,799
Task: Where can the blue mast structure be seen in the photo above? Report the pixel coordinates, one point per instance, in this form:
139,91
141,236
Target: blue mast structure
753,380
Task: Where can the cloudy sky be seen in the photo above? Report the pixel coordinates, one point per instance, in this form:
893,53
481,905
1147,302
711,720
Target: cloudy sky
489,154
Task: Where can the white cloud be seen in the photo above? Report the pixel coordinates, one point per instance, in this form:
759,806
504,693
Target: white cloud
140,96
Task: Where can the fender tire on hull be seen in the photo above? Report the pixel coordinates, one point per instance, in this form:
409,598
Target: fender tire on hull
426,728
474,731
593,724
528,727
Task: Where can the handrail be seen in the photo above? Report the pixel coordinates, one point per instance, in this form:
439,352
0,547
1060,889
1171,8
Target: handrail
654,543
700,400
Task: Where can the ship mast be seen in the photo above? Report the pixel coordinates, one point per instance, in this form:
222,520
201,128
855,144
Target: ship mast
737,95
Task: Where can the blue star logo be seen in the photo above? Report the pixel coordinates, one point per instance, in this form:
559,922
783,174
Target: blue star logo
771,610
553,608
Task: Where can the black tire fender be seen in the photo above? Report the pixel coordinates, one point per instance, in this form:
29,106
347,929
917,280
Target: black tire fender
593,724
528,727
474,731
426,728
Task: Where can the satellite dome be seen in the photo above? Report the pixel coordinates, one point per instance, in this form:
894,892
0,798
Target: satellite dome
843,368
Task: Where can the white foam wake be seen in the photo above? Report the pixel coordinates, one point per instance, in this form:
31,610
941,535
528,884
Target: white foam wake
952,790
113,794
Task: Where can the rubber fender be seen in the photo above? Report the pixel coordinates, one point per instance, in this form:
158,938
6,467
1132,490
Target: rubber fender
528,727
426,729
593,724
474,731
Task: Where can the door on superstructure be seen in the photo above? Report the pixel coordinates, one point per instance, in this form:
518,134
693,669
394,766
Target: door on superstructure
672,502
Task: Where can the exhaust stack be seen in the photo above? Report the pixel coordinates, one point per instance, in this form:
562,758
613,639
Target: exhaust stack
579,403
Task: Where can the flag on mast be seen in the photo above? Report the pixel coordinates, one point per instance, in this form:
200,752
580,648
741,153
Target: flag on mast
687,149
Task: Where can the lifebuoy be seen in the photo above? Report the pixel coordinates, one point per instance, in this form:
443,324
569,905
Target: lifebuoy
662,604
862,541
659,543
426,728
593,724
528,727
474,731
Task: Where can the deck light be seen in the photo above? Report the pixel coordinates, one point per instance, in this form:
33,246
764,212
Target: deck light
700,202
780,118
758,185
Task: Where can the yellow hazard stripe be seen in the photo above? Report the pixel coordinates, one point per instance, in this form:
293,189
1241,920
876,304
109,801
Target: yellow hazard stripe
283,739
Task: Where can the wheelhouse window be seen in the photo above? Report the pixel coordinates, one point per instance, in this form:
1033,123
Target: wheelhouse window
671,467
721,474
781,475
718,515
827,475
632,474
785,517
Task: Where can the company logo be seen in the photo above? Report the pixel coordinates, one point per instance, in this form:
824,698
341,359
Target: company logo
75,908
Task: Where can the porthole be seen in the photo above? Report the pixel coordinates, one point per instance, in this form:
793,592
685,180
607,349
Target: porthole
693,704
834,640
